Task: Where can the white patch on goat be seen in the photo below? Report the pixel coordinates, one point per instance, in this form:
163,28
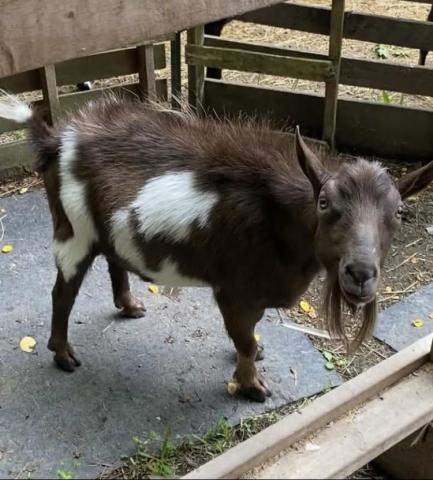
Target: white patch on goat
169,276
168,205
12,108
71,252
122,235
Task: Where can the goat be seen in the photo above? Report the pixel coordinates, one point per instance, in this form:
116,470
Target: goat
180,200
423,53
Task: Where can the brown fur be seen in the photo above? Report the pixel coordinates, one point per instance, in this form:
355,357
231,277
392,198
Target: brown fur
266,237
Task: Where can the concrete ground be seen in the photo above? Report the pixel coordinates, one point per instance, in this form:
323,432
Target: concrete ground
168,370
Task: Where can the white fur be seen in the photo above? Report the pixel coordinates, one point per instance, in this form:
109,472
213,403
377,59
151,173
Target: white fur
14,109
71,252
168,205
122,235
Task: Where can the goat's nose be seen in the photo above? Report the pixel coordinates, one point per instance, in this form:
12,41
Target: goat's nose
361,272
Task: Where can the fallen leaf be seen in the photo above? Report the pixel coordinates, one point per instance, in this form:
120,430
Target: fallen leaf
232,388
305,306
7,248
23,190
329,366
328,356
312,313
257,337
388,289
341,362
414,260
153,289
28,344
418,323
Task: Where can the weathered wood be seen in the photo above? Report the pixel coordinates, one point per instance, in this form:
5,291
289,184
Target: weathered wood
358,72
269,442
242,60
49,93
363,434
146,72
331,89
77,28
357,26
93,67
176,65
365,128
195,38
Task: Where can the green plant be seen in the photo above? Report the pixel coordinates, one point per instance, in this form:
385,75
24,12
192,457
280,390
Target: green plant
64,474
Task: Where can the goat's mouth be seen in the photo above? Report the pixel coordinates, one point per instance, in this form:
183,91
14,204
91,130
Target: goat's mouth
357,299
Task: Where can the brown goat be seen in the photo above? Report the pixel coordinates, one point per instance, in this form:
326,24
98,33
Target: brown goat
180,200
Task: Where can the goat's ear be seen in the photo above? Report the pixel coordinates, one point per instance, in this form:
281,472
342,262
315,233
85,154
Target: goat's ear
310,164
415,181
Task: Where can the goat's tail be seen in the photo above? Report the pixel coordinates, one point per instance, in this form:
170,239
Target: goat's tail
41,137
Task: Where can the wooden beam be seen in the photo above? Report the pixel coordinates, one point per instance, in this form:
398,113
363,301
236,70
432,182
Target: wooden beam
363,128
331,89
269,442
77,28
93,67
146,72
49,92
242,60
357,26
195,38
358,72
176,66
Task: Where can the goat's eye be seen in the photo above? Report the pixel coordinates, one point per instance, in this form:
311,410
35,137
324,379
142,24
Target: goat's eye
323,203
399,212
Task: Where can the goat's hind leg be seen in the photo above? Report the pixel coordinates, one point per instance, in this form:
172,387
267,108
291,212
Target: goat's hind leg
63,296
131,306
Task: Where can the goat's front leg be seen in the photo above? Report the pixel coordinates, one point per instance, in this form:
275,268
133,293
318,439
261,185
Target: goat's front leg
240,322
131,306
63,296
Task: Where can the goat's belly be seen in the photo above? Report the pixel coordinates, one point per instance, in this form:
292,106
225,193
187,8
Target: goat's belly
169,275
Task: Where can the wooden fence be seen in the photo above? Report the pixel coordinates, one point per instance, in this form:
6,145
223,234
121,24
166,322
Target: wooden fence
358,126
144,60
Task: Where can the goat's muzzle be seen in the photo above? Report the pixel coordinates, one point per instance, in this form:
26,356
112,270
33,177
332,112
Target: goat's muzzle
358,281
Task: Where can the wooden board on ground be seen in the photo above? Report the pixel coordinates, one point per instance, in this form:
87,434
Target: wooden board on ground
330,407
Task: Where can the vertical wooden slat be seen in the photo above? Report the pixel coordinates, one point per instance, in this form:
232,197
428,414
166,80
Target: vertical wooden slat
146,72
176,85
331,90
49,91
195,72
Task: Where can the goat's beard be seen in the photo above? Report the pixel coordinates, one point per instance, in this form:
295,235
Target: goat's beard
333,302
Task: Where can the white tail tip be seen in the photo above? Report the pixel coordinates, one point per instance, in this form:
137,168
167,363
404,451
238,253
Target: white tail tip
11,108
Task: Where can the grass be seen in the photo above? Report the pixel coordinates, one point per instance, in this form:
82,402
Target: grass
166,456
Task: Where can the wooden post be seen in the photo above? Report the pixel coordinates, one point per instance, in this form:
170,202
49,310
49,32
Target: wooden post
176,85
195,73
49,92
146,72
331,90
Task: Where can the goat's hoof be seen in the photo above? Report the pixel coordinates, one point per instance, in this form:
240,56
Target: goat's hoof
65,358
260,355
258,391
132,307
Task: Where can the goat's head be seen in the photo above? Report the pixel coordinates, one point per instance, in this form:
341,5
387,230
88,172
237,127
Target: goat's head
358,210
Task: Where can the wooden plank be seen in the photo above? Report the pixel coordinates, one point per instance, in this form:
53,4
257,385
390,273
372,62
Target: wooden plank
76,28
357,26
146,72
195,36
242,60
74,100
15,159
270,441
364,128
93,67
331,89
176,66
361,73
359,434
49,93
